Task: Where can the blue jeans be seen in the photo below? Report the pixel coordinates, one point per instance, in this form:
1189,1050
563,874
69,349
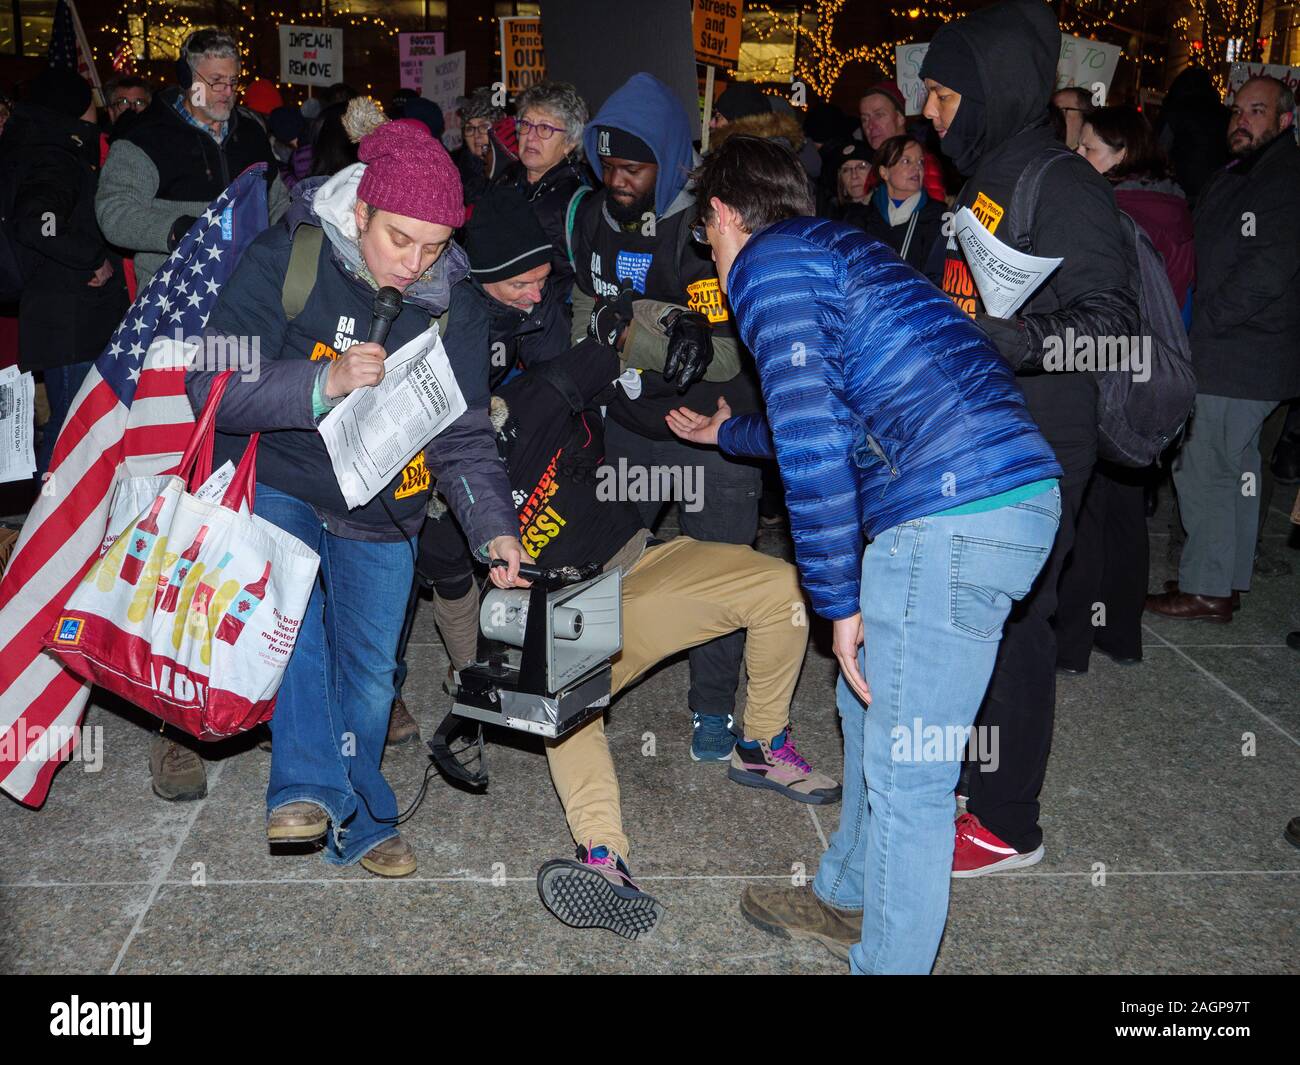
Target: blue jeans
61,386
935,593
331,712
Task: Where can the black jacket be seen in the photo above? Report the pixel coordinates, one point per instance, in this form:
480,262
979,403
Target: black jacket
191,165
1016,46
1245,331
61,318
515,339
550,196
928,215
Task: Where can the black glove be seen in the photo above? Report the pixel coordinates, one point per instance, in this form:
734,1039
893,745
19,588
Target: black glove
179,228
690,347
610,317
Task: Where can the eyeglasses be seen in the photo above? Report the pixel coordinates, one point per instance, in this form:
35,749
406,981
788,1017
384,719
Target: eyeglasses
854,168
220,83
126,101
700,234
542,129
476,129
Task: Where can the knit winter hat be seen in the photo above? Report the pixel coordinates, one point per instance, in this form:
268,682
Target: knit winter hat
889,90
62,90
740,100
262,96
504,238
287,124
407,171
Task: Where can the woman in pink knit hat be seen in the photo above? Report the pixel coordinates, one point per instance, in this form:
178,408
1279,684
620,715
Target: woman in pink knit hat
305,290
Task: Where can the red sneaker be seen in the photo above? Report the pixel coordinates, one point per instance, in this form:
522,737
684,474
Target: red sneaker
979,852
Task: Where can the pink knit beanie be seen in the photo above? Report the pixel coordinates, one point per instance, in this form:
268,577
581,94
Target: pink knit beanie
409,173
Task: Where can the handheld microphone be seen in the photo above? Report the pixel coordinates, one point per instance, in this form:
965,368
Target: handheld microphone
388,305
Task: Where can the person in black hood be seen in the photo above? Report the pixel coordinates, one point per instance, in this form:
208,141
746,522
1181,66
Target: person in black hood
989,78
1190,129
74,294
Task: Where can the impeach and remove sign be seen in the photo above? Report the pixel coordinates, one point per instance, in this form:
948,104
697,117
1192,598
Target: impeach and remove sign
311,55
523,61
716,28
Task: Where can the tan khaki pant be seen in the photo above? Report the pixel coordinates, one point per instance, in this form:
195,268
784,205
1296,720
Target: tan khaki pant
678,595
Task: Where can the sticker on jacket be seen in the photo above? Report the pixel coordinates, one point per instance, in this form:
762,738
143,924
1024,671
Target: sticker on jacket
415,478
633,266
988,212
706,297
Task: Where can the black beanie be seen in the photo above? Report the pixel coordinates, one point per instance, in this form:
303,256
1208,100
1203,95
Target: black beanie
504,238
619,143
740,100
61,90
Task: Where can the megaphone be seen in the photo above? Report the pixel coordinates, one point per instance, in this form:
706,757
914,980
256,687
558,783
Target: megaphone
543,661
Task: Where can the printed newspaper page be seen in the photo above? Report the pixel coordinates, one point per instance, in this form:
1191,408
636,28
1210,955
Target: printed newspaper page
17,403
376,431
1004,276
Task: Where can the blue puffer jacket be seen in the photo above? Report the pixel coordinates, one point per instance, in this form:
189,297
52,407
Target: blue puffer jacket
885,402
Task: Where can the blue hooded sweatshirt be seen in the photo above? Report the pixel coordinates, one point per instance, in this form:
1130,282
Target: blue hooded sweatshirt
645,107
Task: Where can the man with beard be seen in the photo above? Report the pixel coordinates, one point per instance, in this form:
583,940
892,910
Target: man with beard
180,155
646,289
1245,329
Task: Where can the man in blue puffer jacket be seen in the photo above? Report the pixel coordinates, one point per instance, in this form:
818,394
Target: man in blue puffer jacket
891,415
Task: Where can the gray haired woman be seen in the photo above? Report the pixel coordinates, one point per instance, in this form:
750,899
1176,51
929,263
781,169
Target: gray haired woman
550,171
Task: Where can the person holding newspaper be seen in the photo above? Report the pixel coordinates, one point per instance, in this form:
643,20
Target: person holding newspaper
304,291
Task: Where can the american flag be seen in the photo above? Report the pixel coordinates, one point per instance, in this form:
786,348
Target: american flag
68,46
131,418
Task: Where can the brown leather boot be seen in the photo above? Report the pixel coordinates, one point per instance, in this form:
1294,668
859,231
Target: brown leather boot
797,913
175,771
1172,586
402,728
297,822
393,857
1183,606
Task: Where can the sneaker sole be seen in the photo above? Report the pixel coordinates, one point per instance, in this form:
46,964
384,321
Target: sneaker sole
1016,861
833,946
710,758
583,898
749,780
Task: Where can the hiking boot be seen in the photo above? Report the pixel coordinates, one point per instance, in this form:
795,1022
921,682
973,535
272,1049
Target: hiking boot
176,772
402,728
797,913
391,858
297,822
595,890
712,738
776,765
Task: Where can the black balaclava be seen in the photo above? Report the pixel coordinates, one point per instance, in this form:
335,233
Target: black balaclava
950,62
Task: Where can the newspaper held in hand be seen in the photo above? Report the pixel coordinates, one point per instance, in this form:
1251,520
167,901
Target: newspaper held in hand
17,402
1004,276
375,432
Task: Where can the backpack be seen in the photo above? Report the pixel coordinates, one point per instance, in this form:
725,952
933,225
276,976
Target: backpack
300,276
1136,419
